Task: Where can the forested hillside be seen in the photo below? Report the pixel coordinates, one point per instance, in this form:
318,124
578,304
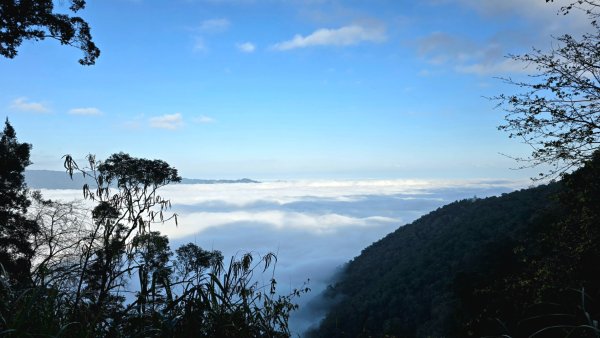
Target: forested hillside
479,267
403,284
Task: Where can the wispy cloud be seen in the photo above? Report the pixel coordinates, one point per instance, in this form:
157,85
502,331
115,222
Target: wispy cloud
85,111
344,36
540,11
488,56
506,66
199,45
134,123
203,119
214,25
167,121
225,1
467,56
246,47
207,27
23,104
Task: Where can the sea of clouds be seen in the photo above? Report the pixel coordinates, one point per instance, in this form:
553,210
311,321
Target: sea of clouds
314,227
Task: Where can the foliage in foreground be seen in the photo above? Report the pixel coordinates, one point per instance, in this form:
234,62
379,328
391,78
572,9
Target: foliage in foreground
105,272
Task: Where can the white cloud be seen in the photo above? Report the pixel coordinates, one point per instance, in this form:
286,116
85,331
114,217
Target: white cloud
315,223
315,207
203,119
241,195
22,104
214,25
246,47
283,192
344,36
167,121
85,111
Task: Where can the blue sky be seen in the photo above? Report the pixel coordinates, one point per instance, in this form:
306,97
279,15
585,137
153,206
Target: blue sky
274,89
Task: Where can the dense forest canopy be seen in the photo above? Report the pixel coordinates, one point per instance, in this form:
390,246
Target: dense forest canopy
405,285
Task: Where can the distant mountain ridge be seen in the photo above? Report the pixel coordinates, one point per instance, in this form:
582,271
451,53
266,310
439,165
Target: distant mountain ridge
220,181
52,179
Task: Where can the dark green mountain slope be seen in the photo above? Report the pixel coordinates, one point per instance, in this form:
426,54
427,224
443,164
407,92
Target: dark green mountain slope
405,285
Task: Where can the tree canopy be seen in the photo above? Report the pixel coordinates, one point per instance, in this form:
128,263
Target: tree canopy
36,20
557,111
15,229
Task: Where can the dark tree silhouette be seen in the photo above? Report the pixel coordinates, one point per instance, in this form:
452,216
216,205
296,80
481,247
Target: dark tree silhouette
15,229
36,20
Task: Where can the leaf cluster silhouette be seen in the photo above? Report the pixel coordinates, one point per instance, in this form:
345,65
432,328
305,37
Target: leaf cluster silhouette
106,272
37,20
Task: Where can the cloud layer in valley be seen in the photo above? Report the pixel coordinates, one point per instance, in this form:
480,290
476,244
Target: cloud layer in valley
313,226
